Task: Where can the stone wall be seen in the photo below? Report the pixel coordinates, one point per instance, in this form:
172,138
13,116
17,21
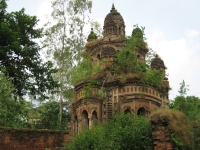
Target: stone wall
27,139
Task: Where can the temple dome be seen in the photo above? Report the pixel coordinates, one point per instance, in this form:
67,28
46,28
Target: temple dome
158,63
114,23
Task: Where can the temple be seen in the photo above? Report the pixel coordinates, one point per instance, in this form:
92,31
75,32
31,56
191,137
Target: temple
130,96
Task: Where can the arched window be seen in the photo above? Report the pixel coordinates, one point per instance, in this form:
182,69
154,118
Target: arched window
138,57
94,118
98,56
127,111
142,111
85,120
76,124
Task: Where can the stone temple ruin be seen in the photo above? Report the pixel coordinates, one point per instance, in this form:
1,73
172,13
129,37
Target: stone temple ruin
128,97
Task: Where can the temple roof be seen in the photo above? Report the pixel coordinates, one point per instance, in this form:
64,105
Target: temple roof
157,63
113,18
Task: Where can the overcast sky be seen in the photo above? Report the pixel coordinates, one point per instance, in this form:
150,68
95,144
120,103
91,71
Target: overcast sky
172,28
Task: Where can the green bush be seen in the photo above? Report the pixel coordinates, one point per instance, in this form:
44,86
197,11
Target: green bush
121,132
190,106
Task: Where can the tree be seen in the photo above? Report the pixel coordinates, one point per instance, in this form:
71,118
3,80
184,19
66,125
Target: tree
19,53
64,39
12,113
183,89
49,117
190,106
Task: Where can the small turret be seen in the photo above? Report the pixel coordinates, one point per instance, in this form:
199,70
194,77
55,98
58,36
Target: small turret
92,36
137,33
158,63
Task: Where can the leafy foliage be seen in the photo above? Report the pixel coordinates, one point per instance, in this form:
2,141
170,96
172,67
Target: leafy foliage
12,113
19,53
153,77
63,41
97,28
49,117
126,61
190,106
183,89
121,132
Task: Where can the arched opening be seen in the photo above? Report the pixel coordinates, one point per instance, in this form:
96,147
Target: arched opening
142,111
138,57
98,56
94,118
85,120
76,124
127,111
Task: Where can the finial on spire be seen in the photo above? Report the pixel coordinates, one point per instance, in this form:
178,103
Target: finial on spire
91,30
113,7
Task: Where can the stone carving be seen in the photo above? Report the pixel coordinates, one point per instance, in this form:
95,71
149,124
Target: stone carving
108,51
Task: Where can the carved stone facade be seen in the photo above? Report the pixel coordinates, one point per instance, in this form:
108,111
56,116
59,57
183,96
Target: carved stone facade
128,97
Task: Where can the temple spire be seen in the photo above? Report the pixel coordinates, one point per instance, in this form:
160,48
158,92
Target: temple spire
113,7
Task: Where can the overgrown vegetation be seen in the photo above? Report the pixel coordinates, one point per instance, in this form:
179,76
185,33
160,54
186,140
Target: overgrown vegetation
135,132
190,106
121,132
178,126
127,64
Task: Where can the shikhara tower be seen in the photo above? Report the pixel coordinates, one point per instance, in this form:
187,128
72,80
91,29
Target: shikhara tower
131,96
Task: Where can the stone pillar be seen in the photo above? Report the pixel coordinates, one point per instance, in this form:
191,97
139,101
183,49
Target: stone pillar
161,135
79,125
90,121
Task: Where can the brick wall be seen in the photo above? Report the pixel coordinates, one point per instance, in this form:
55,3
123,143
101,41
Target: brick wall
160,131
27,139
161,137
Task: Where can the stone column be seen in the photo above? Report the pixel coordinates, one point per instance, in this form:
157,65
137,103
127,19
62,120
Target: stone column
161,135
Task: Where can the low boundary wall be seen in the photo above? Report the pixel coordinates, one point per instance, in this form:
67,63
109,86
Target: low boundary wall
29,139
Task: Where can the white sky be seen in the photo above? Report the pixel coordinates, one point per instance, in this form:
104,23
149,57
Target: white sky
172,28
